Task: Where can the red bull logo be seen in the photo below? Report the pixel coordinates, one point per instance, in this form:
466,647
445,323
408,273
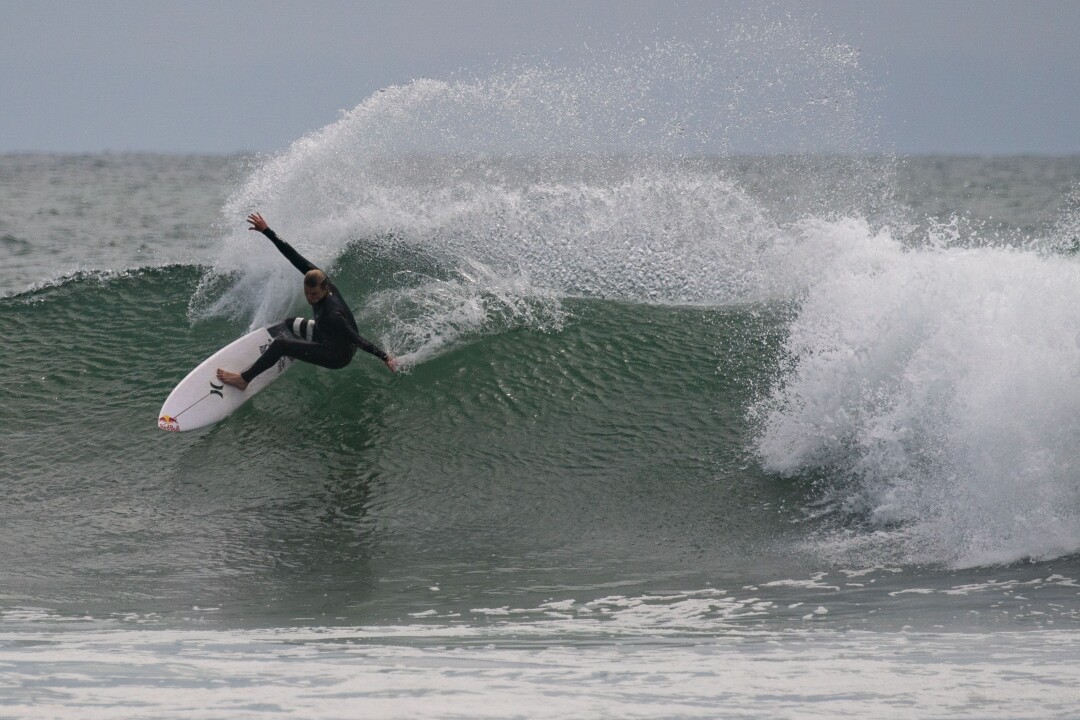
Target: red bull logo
168,423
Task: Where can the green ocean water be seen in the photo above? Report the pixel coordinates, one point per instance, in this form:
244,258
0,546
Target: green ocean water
711,458
591,443
543,441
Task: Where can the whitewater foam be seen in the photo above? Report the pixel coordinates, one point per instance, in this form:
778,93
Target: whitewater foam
941,383
647,656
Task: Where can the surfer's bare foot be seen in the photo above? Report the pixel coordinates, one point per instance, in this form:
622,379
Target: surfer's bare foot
231,378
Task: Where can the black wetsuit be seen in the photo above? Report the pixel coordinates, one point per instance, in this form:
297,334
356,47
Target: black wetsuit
336,337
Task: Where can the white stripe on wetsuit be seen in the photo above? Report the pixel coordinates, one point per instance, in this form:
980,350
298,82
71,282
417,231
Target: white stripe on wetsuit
300,327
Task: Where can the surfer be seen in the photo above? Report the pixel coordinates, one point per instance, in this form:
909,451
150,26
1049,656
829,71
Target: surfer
336,337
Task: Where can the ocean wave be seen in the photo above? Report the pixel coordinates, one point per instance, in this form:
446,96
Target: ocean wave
936,390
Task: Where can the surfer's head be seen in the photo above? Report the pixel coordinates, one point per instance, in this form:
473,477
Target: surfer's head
315,288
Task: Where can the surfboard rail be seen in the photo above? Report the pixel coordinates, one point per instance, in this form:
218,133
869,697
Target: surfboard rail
200,399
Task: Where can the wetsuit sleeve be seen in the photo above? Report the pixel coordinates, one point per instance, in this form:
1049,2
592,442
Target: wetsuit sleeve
300,262
357,340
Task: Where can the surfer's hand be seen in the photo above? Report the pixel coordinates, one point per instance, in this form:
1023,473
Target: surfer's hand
257,222
391,363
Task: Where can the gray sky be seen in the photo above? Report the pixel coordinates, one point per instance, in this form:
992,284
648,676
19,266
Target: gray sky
952,76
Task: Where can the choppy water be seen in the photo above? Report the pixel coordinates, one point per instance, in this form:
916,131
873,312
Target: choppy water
682,434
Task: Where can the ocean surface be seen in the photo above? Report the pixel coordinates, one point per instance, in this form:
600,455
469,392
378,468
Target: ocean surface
679,434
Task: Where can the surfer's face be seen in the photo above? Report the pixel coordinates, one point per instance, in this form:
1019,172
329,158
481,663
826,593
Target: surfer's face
314,294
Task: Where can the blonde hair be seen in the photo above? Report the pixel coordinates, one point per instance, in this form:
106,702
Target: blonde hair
314,278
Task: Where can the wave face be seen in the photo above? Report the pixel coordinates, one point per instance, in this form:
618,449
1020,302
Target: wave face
585,442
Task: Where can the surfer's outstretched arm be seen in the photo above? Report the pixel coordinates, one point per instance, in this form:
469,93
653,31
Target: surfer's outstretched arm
368,346
299,262
363,343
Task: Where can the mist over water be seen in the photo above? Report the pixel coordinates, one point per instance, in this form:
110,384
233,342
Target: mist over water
607,179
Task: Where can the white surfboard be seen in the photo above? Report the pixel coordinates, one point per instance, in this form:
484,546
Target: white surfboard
201,399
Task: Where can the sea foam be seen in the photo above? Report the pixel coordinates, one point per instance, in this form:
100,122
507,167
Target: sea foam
937,388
